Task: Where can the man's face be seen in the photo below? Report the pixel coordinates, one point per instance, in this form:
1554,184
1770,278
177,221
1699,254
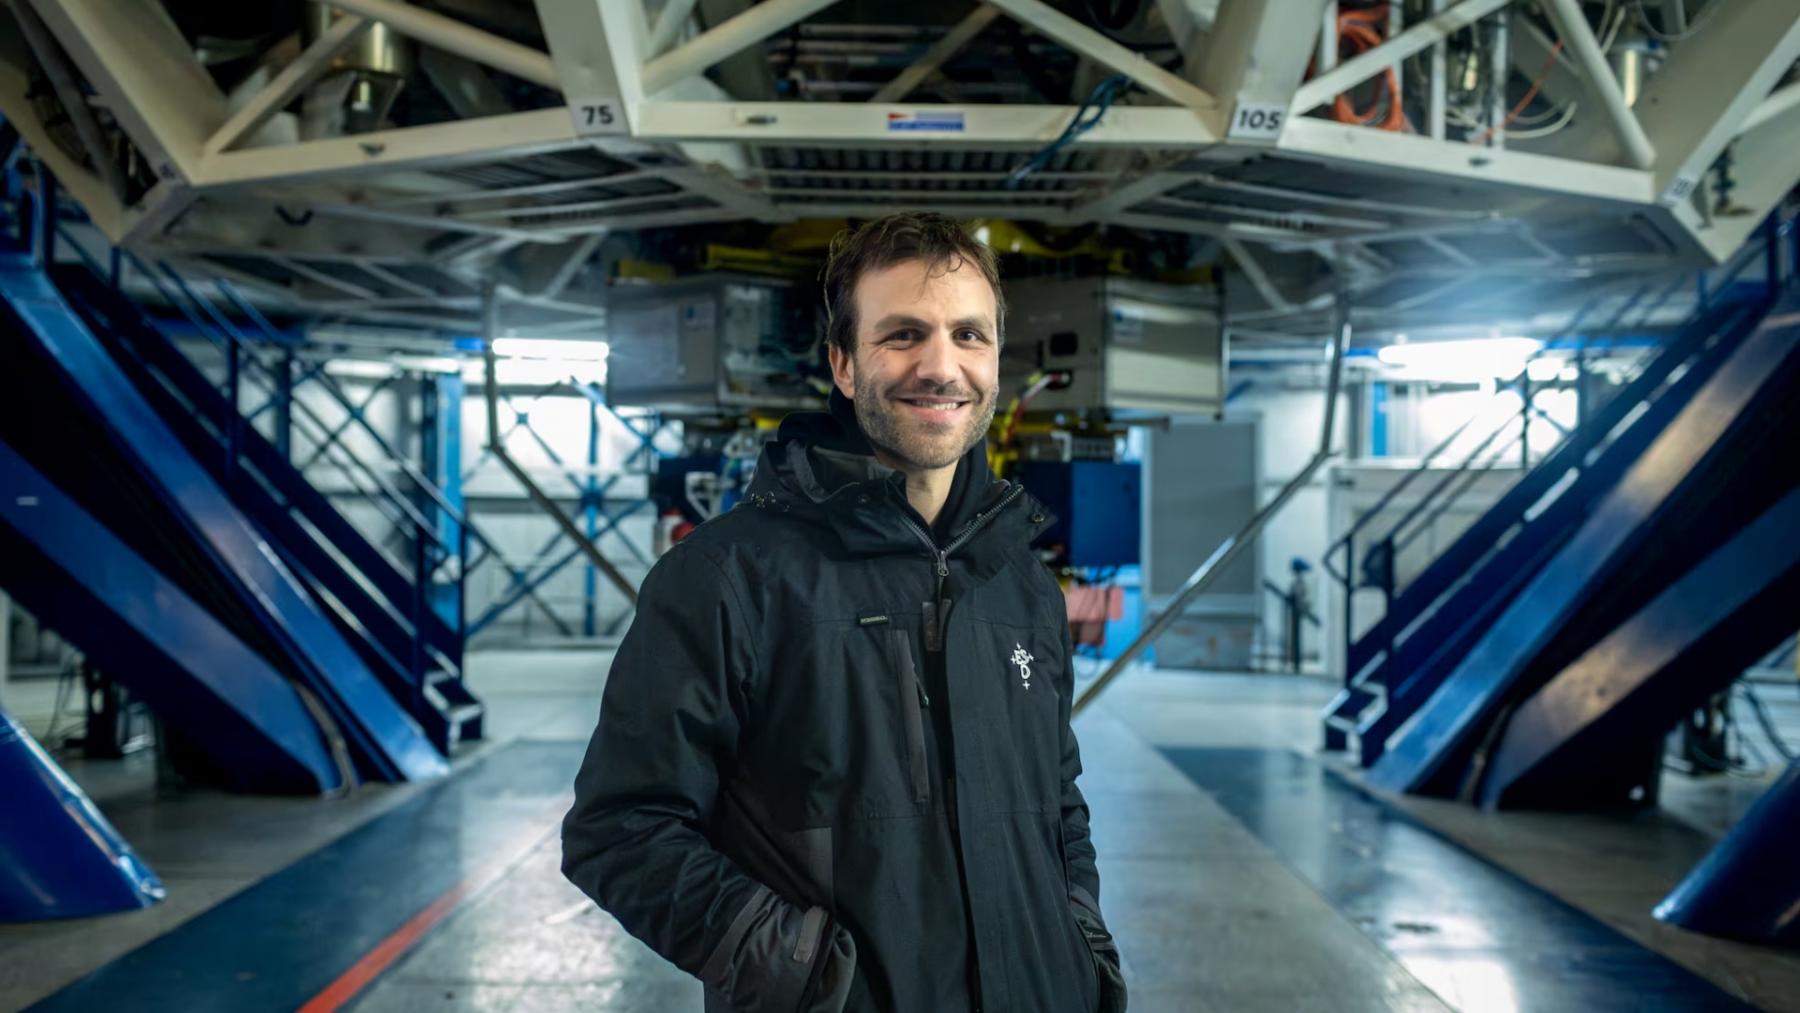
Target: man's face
926,369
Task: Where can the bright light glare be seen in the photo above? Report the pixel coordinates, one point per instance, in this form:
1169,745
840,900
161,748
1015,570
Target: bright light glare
550,348
1472,360
429,363
1543,370
361,369
536,373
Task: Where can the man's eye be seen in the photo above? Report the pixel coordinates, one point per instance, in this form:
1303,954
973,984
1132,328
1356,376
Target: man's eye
905,335
970,335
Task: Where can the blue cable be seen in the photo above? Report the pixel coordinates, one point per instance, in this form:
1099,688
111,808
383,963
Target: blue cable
1099,100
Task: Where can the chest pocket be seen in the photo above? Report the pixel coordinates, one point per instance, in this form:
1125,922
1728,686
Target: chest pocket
1020,671
844,723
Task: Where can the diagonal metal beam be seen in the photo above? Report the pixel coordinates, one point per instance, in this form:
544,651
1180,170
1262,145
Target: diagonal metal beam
1417,39
674,14
1579,42
940,53
1254,51
1781,102
436,146
68,92
452,35
745,30
135,57
1259,278
1712,82
1095,46
287,85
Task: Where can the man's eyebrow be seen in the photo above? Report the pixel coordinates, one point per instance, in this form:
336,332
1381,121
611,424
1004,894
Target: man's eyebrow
893,320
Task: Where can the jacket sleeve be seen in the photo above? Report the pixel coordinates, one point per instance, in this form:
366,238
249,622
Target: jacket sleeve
636,839
1078,849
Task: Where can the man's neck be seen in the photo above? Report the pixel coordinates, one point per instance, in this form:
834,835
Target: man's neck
926,489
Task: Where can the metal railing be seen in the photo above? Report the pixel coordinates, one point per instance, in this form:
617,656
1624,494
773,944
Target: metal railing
436,547
1376,565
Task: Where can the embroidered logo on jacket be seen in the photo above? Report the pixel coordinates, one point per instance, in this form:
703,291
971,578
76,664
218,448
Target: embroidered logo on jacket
1022,658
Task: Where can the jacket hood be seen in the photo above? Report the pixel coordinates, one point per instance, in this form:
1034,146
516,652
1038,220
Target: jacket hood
821,467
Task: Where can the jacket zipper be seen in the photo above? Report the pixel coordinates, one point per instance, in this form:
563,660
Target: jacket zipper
936,617
941,560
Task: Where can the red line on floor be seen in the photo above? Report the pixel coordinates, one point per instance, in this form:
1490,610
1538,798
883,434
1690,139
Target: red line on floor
361,974
385,953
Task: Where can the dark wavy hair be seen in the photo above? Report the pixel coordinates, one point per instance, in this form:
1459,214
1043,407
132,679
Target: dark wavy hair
939,240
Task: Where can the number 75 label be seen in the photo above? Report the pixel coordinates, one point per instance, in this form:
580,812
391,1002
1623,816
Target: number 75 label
598,117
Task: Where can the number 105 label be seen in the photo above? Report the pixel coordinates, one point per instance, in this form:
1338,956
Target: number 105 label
1257,121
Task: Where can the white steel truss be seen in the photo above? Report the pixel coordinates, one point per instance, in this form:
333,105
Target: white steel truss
673,148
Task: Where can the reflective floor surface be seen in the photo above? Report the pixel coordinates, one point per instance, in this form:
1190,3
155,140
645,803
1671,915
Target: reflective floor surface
1239,873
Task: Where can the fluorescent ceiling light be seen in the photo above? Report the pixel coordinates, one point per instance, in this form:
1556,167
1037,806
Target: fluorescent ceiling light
536,373
550,348
361,369
429,363
1474,359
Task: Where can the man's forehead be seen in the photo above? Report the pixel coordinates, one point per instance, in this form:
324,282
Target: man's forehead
913,291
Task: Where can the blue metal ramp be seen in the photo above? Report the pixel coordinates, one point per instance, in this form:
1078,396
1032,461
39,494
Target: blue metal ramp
59,858
384,613
1583,737
79,578
1748,887
1423,655
382,737
1428,752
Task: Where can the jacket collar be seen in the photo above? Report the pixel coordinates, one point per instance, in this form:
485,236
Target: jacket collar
821,468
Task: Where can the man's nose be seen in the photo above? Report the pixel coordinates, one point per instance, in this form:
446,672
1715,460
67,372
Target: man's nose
937,359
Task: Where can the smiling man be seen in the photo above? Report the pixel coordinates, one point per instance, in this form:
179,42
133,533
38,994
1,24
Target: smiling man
834,768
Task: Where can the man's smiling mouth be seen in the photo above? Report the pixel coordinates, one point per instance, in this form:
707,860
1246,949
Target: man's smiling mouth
932,404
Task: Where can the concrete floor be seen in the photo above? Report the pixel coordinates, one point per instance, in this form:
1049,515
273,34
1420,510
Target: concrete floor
1208,915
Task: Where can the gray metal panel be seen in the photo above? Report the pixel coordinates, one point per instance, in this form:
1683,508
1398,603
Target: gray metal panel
1137,346
1200,490
699,346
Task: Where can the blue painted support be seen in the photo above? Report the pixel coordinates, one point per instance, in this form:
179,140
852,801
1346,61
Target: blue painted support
590,578
1424,654
1748,887
1568,740
59,858
132,340
447,463
1581,738
382,736
77,576
1480,536
355,416
1378,419
523,584
1616,528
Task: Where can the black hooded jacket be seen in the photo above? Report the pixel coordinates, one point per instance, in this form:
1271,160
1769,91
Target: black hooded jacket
833,768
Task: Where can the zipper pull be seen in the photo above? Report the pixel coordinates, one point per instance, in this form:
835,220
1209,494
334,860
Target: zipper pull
943,564
924,698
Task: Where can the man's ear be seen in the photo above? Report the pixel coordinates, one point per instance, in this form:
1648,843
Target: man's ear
843,370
